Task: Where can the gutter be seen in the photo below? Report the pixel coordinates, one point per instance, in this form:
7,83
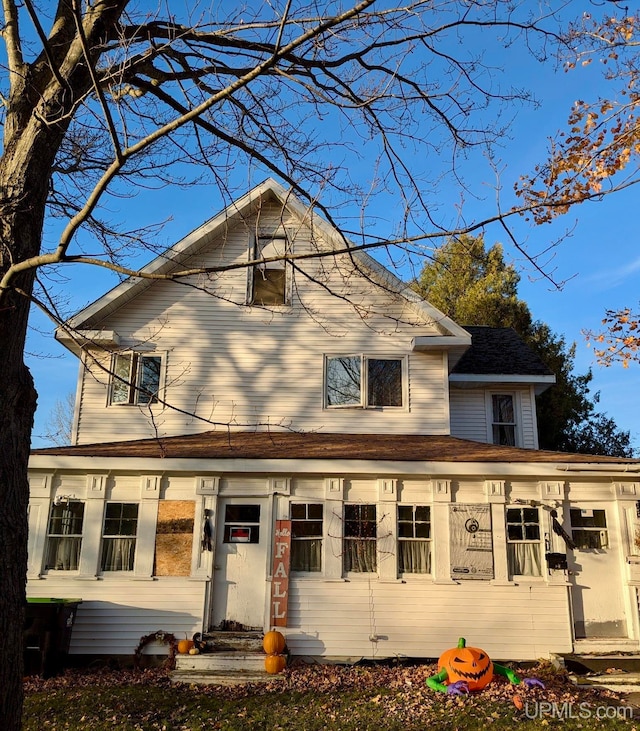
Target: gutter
598,468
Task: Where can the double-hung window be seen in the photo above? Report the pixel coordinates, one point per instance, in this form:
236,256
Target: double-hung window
269,280
360,538
306,536
414,539
135,378
503,422
64,536
523,542
363,381
119,536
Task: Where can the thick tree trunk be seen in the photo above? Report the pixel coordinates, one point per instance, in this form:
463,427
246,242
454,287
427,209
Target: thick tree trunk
23,186
17,406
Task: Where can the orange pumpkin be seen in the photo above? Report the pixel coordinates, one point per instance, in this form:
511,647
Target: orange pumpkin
273,642
470,664
184,646
275,664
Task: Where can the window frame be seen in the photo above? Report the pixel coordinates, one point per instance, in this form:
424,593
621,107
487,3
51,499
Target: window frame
364,404
492,423
525,541
259,244
105,537
133,383
583,527
352,539
297,540
414,539
57,536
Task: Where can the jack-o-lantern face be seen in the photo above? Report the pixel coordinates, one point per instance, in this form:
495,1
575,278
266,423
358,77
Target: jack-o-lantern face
470,664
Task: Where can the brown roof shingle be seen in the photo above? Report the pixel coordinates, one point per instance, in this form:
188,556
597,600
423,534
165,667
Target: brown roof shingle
295,445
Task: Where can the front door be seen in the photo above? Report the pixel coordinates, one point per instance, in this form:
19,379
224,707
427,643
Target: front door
595,566
240,567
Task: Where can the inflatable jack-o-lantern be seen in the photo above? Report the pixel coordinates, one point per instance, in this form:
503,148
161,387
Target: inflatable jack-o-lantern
469,664
464,669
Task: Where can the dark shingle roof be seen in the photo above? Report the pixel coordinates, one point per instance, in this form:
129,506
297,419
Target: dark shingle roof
499,350
294,445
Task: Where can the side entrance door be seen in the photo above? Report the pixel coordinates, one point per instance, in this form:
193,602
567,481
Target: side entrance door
240,566
597,593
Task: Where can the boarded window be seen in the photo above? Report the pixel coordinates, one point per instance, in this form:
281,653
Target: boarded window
174,538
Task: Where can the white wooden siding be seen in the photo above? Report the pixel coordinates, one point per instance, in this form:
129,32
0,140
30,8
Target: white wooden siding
116,613
231,364
416,619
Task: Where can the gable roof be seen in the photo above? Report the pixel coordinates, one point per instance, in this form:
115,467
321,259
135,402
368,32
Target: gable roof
214,229
313,445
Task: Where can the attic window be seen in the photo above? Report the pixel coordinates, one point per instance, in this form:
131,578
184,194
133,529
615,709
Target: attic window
135,378
269,280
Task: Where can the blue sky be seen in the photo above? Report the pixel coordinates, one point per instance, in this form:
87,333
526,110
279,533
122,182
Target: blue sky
599,258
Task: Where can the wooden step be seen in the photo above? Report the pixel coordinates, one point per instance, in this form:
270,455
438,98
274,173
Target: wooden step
226,678
221,662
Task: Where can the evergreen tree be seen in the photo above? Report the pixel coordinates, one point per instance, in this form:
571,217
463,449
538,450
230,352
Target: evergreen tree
474,286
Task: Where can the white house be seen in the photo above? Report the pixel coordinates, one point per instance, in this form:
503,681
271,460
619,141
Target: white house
302,442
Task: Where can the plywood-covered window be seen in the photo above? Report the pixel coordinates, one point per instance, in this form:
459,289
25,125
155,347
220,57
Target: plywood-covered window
174,538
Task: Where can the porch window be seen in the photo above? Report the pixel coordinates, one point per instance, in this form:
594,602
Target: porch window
414,539
306,536
242,524
360,538
64,536
119,536
523,542
269,280
361,381
589,529
135,378
503,419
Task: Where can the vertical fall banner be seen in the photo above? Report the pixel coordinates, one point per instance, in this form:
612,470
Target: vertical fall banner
280,575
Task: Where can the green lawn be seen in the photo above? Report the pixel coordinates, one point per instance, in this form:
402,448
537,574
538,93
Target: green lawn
316,697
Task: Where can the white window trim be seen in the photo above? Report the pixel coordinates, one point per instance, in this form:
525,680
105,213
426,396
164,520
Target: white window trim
322,537
517,413
410,574
139,354
539,543
364,382
131,573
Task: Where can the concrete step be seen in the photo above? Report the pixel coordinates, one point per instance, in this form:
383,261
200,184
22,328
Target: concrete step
221,662
226,678
620,682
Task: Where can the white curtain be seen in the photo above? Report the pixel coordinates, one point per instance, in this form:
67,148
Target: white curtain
415,557
306,555
118,553
64,553
360,555
524,559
